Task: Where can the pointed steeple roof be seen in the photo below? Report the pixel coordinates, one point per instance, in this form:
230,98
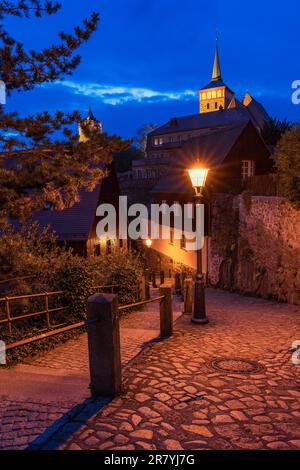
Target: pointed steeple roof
90,115
216,74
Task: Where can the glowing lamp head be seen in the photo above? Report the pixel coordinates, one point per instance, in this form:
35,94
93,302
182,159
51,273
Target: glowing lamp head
148,242
198,178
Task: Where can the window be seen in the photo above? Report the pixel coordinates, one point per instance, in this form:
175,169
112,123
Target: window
97,250
214,94
219,93
209,95
216,105
121,244
207,106
204,96
247,168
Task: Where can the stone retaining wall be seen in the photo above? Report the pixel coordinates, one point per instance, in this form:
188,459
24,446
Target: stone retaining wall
255,247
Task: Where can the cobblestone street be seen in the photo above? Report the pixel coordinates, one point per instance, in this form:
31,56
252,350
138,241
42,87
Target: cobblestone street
176,397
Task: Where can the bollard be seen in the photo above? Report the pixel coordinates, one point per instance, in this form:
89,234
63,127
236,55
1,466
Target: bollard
104,345
177,283
166,312
188,295
153,281
162,277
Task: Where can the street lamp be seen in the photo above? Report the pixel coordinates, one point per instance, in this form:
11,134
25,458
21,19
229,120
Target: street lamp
148,242
198,178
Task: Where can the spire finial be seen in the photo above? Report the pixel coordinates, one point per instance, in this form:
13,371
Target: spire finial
216,75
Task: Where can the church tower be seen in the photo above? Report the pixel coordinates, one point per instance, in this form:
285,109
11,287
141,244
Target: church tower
91,123
216,95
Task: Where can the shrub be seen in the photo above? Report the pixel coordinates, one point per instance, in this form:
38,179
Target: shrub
123,269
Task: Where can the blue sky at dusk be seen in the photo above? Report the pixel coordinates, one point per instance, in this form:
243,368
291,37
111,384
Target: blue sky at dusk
147,59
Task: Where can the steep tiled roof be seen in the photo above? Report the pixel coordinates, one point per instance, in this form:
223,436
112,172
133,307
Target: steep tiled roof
221,118
74,223
211,149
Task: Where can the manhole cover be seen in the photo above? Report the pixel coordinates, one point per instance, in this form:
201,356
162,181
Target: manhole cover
236,365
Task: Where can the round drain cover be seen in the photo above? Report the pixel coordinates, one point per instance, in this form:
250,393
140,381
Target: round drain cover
236,365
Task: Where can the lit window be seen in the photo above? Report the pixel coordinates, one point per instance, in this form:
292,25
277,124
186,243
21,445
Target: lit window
204,96
214,94
247,168
156,141
161,141
209,95
219,93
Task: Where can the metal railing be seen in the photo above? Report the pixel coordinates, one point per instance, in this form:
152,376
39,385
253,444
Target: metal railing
81,324
47,311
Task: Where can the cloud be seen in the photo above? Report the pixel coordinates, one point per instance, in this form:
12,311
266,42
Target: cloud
116,95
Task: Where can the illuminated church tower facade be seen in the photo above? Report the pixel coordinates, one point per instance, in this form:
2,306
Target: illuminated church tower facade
91,123
216,95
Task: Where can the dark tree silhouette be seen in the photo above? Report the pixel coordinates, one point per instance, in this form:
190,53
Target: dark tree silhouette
41,159
274,129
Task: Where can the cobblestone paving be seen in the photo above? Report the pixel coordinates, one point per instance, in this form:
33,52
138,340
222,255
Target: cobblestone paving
174,399
21,421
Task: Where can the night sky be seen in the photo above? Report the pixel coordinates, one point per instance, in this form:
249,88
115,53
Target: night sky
148,58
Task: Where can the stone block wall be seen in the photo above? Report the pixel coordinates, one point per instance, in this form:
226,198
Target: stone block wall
255,247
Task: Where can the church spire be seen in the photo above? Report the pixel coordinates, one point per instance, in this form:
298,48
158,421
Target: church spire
216,75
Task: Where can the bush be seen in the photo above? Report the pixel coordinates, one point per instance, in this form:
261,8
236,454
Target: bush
287,158
123,269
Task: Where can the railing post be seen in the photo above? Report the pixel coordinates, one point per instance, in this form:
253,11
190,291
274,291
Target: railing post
7,310
188,295
47,309
147,286
166,312
104,345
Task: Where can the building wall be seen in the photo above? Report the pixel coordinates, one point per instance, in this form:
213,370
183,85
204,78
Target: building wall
174,257
255,247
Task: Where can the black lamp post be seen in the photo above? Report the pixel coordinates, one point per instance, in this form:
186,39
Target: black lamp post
198,178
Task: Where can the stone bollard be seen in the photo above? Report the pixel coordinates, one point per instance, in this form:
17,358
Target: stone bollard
177,283
188,295
162,277
166,311
153,277
104,345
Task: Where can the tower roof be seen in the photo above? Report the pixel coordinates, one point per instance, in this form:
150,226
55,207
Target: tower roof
91,115
216,74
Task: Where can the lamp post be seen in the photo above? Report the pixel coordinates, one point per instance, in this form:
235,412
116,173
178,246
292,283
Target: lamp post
148,244
198,178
